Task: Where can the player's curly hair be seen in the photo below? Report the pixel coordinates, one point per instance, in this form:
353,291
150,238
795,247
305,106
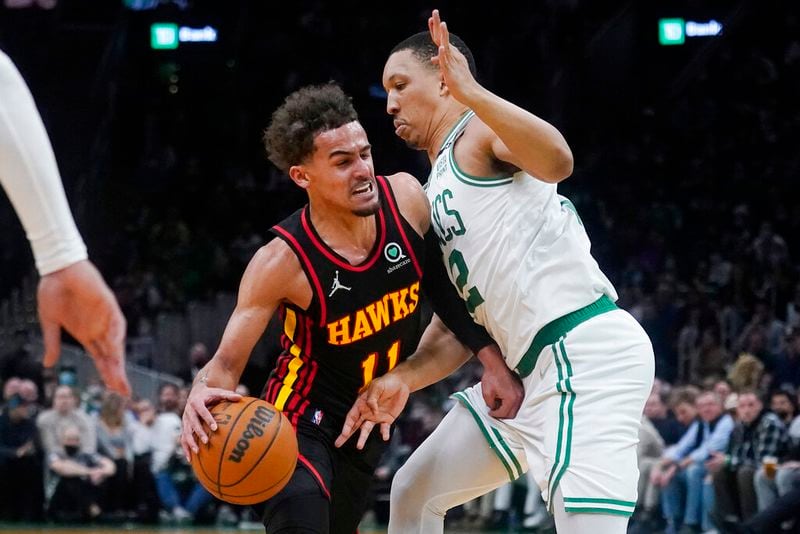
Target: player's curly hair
423,48
289,138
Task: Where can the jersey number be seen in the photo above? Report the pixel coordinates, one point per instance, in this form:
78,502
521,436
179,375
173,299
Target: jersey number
472,295
371,361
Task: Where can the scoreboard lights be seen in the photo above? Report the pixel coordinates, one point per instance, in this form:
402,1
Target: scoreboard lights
168,35
675,31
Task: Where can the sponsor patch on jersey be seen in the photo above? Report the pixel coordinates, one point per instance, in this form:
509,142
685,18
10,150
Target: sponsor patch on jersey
393,252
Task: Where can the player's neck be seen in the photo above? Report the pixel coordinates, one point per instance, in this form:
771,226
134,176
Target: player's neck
442,128
349,235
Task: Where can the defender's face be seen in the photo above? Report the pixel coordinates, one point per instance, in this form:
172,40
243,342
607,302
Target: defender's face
413,92
340,172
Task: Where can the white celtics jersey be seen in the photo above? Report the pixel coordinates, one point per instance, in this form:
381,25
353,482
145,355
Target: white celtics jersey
515,249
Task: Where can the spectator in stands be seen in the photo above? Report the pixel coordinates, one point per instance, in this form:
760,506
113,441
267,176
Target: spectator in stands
682,468
181,502
11,388
670,431
169,399
786,365
669,428
782,403
29,392
145,497
764,335
198,357
723,389
758,434
63,412
746,372
649,453
787,476
77,477
115,441
21,489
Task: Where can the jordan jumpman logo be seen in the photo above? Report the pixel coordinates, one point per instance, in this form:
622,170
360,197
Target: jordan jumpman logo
337,285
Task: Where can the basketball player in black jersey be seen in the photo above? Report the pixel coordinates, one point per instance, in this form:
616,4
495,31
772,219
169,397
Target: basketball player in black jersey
345,275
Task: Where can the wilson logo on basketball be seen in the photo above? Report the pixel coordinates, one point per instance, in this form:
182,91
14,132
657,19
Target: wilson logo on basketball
254,429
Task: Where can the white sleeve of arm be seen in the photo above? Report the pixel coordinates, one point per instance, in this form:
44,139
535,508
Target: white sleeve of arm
29,175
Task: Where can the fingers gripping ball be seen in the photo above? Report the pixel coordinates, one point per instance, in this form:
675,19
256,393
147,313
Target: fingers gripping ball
252,454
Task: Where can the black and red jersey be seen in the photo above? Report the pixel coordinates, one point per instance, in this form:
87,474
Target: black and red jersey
362,321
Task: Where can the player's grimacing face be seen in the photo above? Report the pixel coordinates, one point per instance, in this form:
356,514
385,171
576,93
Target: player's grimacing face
341,172
412,90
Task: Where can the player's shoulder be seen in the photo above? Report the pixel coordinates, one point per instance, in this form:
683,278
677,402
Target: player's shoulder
411,200
273,258
274,274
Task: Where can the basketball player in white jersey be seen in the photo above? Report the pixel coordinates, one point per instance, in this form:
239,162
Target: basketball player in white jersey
72,294
519,255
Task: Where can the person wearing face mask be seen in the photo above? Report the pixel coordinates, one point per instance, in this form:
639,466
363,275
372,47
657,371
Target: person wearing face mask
76,479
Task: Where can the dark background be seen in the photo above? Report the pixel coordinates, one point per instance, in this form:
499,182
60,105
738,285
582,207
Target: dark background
685,155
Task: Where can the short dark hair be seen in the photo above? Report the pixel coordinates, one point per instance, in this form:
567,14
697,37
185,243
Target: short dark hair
289,138
423,48
784,393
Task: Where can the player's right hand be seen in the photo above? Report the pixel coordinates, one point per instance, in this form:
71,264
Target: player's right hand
379,403
77,299
196,413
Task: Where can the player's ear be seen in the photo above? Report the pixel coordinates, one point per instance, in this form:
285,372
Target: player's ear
299,176
443,89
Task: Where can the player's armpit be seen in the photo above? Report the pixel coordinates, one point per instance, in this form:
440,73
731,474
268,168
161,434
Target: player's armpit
445,300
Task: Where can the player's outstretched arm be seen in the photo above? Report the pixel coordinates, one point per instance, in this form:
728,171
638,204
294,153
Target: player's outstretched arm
72,294
513,134
272,276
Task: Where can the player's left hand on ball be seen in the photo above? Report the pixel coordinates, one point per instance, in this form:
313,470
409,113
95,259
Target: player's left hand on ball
196,413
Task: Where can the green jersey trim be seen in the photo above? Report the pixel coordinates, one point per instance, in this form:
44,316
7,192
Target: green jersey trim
457,127
477,181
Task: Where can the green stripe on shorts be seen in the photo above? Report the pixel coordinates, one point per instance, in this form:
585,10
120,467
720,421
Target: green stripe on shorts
583,510
564,386
495,440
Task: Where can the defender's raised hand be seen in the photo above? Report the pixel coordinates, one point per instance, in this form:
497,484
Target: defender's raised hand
452,63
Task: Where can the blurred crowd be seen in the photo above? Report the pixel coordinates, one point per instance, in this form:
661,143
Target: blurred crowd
72,455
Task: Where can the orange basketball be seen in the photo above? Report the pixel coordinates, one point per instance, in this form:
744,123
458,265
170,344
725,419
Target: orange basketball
252,454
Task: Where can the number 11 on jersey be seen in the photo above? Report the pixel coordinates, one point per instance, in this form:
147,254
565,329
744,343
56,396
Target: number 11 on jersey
371,361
